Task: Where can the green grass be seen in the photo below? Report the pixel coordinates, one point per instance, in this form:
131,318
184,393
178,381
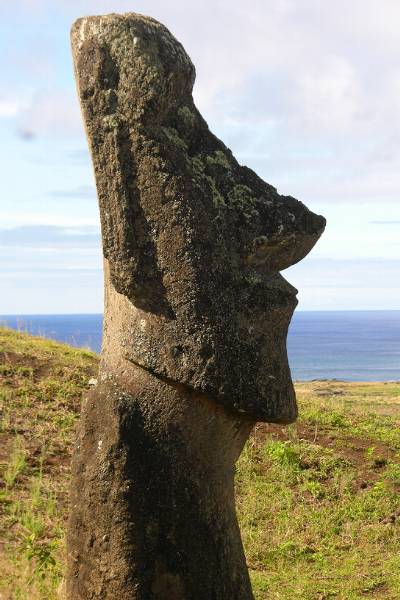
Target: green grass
318,501
41,383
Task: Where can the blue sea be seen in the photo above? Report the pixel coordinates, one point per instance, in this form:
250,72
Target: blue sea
345,345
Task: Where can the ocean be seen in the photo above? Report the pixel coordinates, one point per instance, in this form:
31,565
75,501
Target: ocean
344,345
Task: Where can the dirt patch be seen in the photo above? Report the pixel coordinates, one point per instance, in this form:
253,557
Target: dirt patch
326,392
353,450
22,365
18,359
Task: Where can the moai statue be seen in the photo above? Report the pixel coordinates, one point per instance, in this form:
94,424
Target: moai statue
195,324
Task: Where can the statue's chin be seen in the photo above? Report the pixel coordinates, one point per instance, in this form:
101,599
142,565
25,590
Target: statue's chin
277,404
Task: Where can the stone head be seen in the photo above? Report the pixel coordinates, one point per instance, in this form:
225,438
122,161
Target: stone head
193,242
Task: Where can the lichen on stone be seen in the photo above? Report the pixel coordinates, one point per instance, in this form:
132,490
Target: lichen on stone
174,137
217,198
187,116
218,158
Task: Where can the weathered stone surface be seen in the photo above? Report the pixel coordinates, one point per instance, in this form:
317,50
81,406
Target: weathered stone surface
194,241
196,317
153,512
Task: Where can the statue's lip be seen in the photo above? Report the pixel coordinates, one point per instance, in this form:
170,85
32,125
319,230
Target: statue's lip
275,281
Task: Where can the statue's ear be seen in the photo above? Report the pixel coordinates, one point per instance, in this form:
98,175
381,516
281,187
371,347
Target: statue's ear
127,242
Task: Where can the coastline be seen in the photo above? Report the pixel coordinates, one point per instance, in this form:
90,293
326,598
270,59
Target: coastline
332,345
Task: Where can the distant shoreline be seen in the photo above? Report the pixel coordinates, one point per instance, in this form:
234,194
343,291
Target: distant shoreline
349,346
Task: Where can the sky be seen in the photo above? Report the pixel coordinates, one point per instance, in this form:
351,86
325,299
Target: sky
306,93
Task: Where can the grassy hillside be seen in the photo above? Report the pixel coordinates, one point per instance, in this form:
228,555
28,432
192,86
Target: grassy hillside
318,501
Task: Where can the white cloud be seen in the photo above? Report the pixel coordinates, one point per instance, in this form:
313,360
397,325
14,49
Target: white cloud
8,108
49,238
346,284
81,192
52,112
326,70
19,219
330,94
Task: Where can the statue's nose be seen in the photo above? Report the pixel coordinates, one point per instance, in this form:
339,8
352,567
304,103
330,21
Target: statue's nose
287,238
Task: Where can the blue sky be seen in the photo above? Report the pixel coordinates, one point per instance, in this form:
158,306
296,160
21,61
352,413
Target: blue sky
305,93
